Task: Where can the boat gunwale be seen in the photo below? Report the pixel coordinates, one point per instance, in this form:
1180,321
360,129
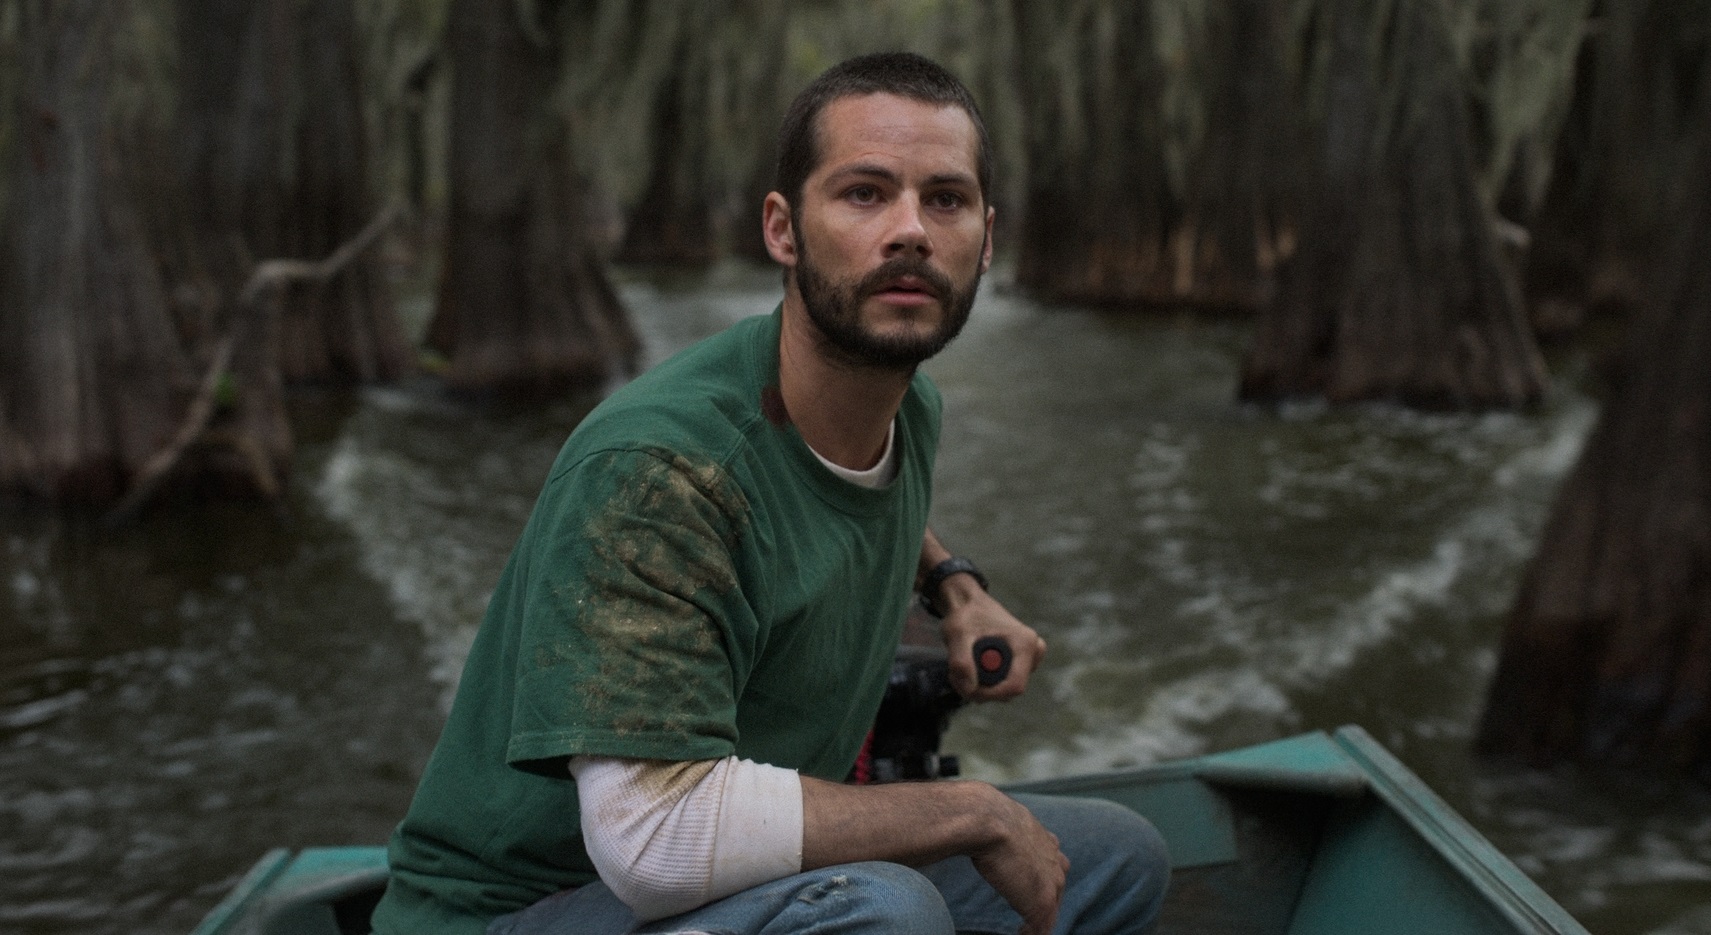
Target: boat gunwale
1455,839
1344,766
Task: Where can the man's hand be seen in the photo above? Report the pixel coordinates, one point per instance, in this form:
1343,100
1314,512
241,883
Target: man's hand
1027,868
972,614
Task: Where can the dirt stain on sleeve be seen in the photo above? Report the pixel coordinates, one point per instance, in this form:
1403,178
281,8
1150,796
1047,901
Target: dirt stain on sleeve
661,564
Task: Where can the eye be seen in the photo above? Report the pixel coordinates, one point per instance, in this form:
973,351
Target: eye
947,200
862,194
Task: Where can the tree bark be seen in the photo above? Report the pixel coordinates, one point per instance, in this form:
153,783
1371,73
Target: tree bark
1397,290
1238,174
1612,201
672,224
744,215
236,62
747,239
1097,211
1607,654
92,377
1151,182
524,303
275,162
346,330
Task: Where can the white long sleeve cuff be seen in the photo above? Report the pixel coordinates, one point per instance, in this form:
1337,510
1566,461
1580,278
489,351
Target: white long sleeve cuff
668,837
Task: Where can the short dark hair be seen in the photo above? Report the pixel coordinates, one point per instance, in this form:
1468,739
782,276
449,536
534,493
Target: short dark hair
904,74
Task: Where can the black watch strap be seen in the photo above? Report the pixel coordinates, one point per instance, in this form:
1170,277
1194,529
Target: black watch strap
955,565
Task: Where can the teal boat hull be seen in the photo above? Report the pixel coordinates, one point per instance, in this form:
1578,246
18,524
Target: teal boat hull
1320,834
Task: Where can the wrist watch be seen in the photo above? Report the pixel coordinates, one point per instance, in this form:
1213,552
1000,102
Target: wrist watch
955,565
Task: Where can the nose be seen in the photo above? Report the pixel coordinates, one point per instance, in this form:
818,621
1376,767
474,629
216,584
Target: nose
908,229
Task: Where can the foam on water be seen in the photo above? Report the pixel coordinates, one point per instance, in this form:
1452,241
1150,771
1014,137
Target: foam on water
428,553
1599,845
1275,558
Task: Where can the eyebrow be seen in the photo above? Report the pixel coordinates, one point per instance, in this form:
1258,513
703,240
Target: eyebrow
875,170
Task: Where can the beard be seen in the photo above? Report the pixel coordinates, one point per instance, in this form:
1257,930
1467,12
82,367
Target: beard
835,309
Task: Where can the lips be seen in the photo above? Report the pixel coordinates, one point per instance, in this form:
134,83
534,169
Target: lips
904,278
910,284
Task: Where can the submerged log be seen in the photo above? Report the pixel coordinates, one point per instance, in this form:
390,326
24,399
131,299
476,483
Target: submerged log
261,306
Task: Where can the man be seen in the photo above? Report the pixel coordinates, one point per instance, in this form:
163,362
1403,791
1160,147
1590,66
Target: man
687,648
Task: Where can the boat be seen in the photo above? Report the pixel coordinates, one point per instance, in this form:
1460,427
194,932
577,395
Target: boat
1325,833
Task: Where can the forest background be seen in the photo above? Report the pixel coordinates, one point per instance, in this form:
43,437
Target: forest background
208,204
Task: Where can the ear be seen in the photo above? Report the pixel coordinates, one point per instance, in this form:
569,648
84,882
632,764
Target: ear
775,227
986,249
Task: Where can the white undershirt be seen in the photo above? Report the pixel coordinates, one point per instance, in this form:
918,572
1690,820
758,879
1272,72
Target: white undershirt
874,477
667,836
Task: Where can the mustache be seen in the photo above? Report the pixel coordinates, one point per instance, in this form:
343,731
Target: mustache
895,268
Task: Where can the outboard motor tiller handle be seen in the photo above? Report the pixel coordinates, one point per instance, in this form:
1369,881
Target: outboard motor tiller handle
992,658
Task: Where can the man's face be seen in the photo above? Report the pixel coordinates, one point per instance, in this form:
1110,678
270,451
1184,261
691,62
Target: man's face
891,234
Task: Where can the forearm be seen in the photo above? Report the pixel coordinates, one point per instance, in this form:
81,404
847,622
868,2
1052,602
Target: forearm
955,590
907,823
918,823
932,552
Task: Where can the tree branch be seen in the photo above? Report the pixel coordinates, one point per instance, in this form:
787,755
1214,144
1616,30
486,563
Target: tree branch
269,279
277,274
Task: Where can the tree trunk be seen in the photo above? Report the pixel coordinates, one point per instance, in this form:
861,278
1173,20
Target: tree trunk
524,304
1239,172
1097,211
1612,201
92,378
672,224
274,154
743,215
231,143
1152,172
747,239
1396,290
1607,655
348,329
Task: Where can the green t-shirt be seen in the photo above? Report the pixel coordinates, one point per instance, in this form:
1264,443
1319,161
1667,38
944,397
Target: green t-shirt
692,583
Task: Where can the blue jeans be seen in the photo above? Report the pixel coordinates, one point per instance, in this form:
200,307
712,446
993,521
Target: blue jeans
1118,868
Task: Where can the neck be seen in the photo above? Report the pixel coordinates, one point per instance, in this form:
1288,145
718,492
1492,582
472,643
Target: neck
843,410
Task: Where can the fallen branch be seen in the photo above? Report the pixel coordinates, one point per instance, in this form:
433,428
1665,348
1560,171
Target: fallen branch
196,421
277,274
269,279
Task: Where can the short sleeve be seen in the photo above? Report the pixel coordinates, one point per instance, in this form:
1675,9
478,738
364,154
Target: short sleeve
632,606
